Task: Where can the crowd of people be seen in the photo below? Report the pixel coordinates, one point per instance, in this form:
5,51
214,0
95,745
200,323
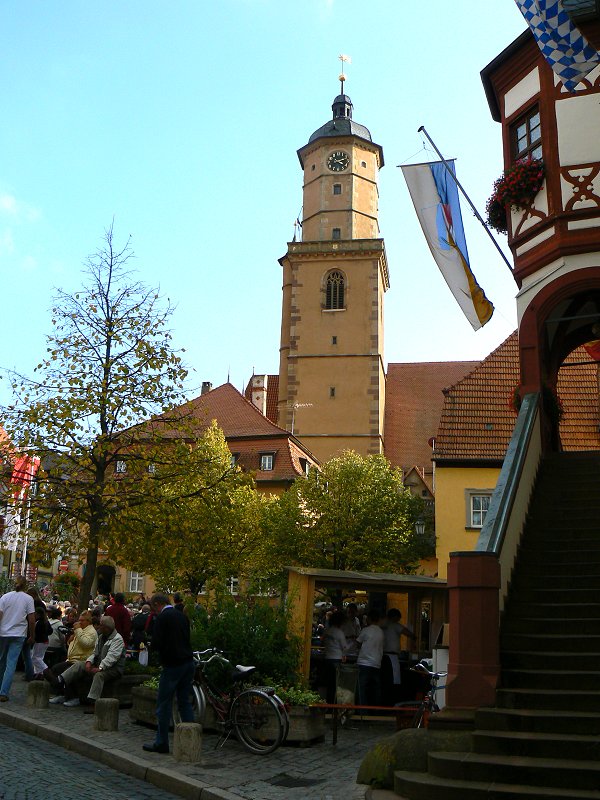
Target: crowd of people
78,653
373,644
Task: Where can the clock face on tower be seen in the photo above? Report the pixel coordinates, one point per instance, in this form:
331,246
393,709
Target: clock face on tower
338,161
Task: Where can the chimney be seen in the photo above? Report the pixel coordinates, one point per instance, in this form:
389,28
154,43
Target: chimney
206,387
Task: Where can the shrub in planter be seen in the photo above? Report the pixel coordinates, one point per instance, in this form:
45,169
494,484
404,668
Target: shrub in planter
249,631
66,584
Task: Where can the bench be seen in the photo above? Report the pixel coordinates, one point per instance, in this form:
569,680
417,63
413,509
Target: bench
119,689
402,715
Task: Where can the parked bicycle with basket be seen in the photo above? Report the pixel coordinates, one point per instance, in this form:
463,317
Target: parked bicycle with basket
255,714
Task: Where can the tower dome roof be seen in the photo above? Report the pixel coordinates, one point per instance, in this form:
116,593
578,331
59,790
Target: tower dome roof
342,123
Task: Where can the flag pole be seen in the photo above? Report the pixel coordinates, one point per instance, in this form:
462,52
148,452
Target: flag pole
466,196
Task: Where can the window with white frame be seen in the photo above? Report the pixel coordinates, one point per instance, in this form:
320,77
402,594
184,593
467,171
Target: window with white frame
233,585
136,582
266,461
121,466
477,506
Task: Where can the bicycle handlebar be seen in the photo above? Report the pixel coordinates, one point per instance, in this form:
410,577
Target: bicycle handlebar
420,667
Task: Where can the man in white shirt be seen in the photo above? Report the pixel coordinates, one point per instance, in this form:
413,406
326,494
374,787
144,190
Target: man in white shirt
17,624
369,658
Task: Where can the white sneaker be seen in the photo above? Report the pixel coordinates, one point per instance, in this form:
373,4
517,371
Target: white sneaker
60,698
72,703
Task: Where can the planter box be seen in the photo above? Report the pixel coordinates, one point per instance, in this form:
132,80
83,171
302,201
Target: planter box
121,689
143,708
307,725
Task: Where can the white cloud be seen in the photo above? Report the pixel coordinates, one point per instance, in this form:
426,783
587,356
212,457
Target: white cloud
21,212
8,203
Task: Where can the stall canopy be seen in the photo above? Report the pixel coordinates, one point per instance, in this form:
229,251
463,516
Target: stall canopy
420,592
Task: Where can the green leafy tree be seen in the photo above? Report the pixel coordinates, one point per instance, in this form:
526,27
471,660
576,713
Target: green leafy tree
204,521
353,515
109,364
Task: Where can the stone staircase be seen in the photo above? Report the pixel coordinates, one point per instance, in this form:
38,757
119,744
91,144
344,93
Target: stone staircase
542,740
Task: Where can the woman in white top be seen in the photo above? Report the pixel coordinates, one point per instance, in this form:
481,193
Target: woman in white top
335,645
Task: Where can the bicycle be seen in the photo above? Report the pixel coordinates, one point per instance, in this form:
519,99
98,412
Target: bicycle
256,715
427,706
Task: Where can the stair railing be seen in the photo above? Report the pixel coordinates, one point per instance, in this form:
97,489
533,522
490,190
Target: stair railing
478,579
505,519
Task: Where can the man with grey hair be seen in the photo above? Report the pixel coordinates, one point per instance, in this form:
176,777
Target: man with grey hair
106,663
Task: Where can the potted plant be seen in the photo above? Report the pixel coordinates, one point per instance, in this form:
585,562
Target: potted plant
515,188
307,723
143,707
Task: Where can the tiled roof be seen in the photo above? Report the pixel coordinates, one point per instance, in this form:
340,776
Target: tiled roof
236,415
578,390
477,419
286,458
414,401
249,434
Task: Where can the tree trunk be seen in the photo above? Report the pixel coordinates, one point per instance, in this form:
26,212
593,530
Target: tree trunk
91,561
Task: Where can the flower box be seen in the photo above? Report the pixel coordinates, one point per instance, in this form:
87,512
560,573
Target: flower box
307,725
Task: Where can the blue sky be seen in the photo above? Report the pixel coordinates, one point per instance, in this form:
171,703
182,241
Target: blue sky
181,119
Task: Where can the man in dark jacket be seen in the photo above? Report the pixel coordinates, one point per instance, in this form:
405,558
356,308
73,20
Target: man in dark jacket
171,639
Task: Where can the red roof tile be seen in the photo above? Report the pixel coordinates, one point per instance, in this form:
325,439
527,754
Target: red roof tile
414,401
249,434
477,419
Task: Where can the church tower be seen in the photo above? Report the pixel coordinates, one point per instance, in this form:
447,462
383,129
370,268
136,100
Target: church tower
331,369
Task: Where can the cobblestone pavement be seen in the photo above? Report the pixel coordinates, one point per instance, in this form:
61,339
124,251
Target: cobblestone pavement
33,770
320,772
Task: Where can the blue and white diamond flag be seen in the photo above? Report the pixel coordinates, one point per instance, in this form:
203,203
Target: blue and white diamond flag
562,44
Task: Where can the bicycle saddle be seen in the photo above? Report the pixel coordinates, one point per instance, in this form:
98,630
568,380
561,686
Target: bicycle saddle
241,672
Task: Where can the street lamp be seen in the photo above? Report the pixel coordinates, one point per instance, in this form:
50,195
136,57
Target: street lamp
420,526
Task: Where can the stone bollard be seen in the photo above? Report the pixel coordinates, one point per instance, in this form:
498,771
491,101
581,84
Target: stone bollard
106,717
38,694
188,742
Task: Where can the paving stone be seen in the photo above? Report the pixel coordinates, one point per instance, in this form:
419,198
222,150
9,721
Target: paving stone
320,772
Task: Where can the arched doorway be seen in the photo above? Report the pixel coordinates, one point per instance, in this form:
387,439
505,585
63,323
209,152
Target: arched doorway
105,579
563,317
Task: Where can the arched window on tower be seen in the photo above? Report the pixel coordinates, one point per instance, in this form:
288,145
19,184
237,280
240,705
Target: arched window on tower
334,290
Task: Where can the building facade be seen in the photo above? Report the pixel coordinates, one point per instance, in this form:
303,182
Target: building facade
331,374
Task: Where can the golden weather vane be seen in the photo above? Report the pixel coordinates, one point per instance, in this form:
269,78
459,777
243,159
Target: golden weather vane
345,60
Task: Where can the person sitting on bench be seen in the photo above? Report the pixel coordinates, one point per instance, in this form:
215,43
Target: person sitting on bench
106,663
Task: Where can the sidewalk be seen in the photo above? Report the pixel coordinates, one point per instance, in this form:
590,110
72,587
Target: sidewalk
319,772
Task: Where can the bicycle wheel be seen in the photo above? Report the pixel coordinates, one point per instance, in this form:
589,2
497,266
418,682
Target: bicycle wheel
257,721
198,701
284,716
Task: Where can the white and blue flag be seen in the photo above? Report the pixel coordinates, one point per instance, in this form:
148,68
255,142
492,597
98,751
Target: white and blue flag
435,197
563,45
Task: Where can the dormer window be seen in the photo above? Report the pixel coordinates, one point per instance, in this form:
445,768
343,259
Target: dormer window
266,461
